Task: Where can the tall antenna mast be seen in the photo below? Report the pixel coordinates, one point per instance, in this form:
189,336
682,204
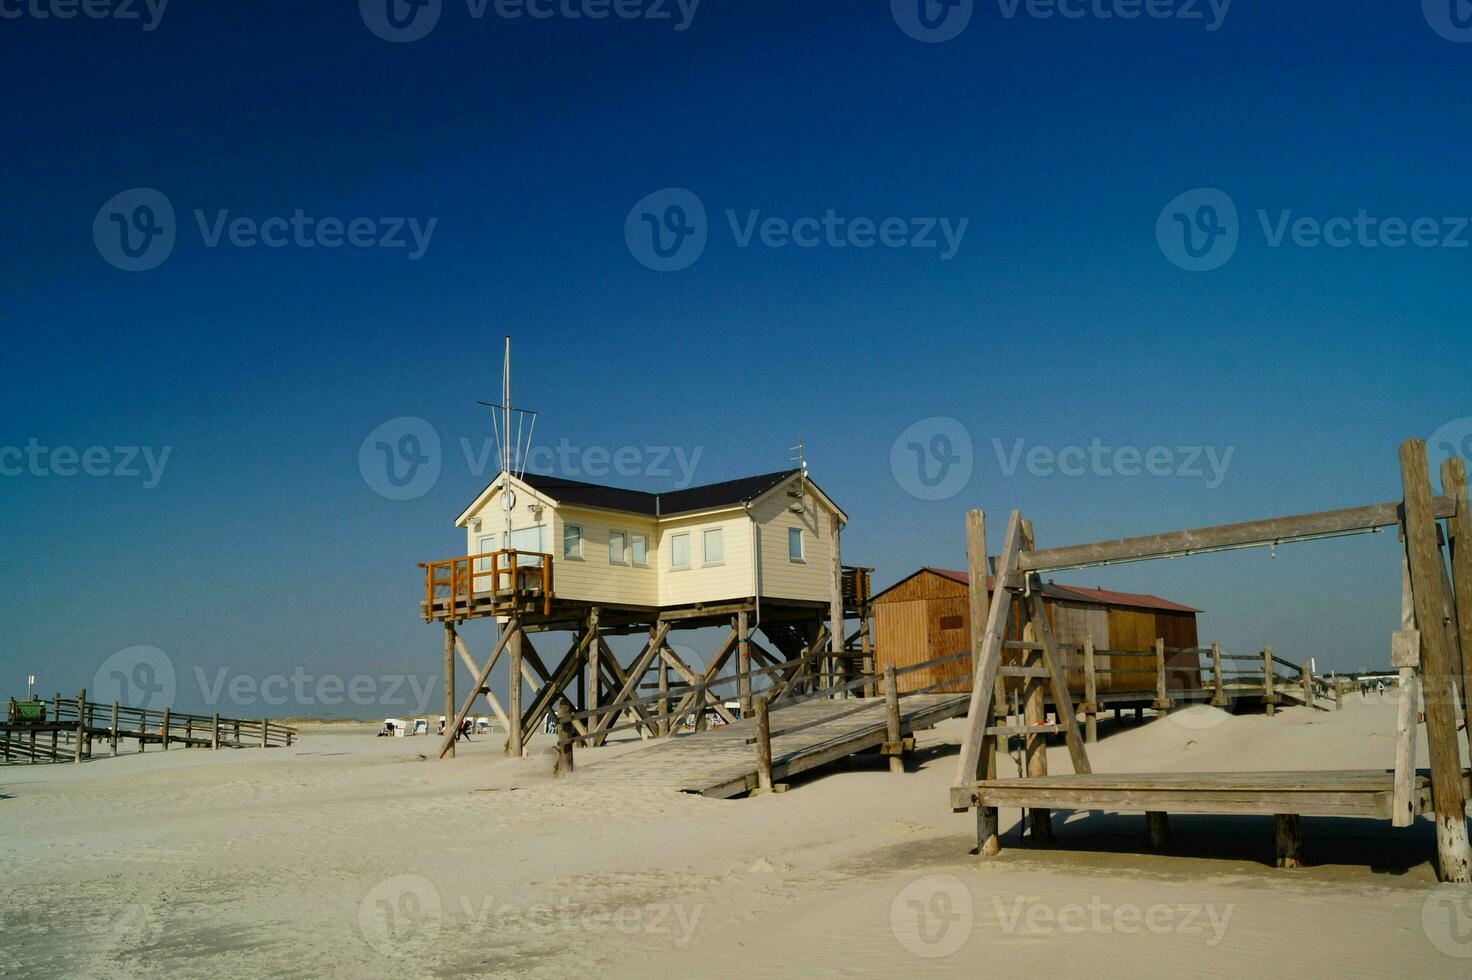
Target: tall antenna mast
802,481
514,427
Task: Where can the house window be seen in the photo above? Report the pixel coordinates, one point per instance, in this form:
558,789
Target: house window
639,548
794,544
527,539
713,546
617,542
679,551
572,541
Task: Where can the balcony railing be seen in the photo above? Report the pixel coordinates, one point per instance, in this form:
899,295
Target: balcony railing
458,588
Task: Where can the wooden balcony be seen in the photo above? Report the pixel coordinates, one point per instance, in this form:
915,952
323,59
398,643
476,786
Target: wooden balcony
492,584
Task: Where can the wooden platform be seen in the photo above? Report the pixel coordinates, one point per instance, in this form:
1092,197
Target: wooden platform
721,763
1353,793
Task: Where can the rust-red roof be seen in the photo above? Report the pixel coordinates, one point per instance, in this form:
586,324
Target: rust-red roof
1103,597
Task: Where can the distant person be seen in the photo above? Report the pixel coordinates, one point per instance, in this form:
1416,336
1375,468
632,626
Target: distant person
465,727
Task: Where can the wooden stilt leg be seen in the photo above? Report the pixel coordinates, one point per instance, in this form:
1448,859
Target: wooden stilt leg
1289,834
1157,830
450,681
892,716
515,745
1437,674
743,663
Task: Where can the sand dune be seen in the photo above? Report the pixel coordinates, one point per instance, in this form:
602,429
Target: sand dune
352,856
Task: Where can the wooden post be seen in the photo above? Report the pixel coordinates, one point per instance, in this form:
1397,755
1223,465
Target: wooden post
215,732
1035,747
1157,829
565,735
1162,699
1437,673
1308,685
164,729
1289,834
743,663
665,726
1454,484
55,720
595,679
265,733
866,644
1338,694
835,607
450,672
1091,692
514,741
1269,699
81,725
763,745
1218,694
979,609
893,732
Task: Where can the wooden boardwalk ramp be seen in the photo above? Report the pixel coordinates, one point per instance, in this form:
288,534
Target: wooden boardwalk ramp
722,762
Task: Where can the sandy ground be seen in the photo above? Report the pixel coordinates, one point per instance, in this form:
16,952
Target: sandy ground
353,856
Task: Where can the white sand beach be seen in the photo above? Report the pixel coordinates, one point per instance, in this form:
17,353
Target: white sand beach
353,856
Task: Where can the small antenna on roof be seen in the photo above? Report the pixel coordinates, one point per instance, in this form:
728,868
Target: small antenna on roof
801,493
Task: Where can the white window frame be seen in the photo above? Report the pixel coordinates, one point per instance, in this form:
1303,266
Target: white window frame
705,559
673,538
577,529
802,546
484,564
633,558
623,551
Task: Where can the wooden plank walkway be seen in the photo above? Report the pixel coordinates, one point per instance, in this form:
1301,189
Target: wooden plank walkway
721,763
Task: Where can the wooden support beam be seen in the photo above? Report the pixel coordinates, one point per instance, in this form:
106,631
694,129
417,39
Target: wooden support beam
835,604
1062,701
1454,485
485,689
1437,672
1162,696
1157,830
987,648
450,640
595,675
630,686
515,745
743,663
894,735
763,745
565,734
1253,533
1269,699
1091,692
1218,692
453,721
1034,743
978,603
1288,833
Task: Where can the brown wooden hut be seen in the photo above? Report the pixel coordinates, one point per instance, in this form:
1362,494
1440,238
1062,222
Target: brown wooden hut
924,616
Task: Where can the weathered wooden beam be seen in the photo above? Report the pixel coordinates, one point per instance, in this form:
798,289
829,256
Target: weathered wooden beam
1454,485
1288,834
454,720
1280,530
1062,700
1437,674
978,605
987,650
450,639
835,605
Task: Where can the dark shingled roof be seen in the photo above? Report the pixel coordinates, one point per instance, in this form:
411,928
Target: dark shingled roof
1103,597
726,494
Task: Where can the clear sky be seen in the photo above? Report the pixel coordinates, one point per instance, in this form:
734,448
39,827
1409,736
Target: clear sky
1060,312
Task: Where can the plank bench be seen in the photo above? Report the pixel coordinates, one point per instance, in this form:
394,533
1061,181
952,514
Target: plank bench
1284,795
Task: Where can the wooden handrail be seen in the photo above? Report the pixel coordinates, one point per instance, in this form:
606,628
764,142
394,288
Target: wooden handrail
459,576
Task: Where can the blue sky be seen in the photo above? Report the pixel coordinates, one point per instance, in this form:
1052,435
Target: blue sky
1061,318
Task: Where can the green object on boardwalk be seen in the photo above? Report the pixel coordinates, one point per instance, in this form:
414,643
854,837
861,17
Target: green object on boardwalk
27,711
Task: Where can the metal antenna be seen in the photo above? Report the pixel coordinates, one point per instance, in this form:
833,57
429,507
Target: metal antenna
802,481
512,447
